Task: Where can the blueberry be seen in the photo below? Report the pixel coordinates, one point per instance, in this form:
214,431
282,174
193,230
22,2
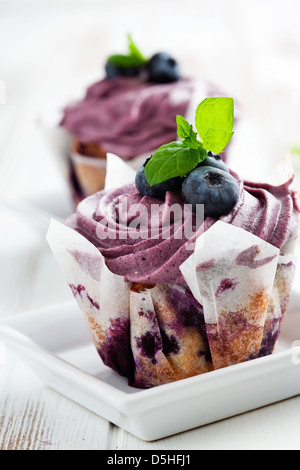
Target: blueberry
158,190
162,68
113,71
215,161
215,188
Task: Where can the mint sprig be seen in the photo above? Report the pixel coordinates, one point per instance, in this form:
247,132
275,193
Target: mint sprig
186,132
214,122
171,160
134,58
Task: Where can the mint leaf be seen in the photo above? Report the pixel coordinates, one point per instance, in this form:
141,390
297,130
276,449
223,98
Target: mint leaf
134,51
172,160
214,123
193,142
184,129
120,60
134,58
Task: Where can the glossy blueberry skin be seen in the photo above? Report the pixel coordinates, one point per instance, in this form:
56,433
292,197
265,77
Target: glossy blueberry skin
215,161
163,68
218,190
157,191
113,71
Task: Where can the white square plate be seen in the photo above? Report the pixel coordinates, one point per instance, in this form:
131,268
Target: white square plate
55,342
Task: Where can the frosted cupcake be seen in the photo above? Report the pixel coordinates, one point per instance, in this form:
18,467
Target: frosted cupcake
131,113
186,269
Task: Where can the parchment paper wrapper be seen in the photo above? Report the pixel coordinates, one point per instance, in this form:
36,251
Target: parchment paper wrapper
228,311
243,284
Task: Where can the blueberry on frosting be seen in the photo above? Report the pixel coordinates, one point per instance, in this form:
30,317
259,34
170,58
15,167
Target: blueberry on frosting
158,190
126,65
160,68
194,166
216,189
215,161
163,68
112,71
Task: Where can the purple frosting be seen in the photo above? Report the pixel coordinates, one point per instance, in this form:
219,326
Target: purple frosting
128,116
270,212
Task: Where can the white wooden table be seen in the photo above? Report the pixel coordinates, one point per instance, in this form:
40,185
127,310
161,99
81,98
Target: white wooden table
46,49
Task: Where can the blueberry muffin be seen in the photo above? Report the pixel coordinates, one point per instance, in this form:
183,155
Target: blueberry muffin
163,303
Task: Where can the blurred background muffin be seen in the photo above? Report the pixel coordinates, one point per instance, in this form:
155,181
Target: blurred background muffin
130,113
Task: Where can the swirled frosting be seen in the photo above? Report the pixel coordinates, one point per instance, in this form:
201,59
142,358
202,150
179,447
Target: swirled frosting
109,218
128,116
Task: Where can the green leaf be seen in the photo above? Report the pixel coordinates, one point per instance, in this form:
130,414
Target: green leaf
133,59
194,143
184,129
134,51
214,123
172,160
121,60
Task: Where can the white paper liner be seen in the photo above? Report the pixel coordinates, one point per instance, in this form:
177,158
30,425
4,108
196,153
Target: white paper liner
118,172
110,304
93,285
214,259
76,158
232,276
279,301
